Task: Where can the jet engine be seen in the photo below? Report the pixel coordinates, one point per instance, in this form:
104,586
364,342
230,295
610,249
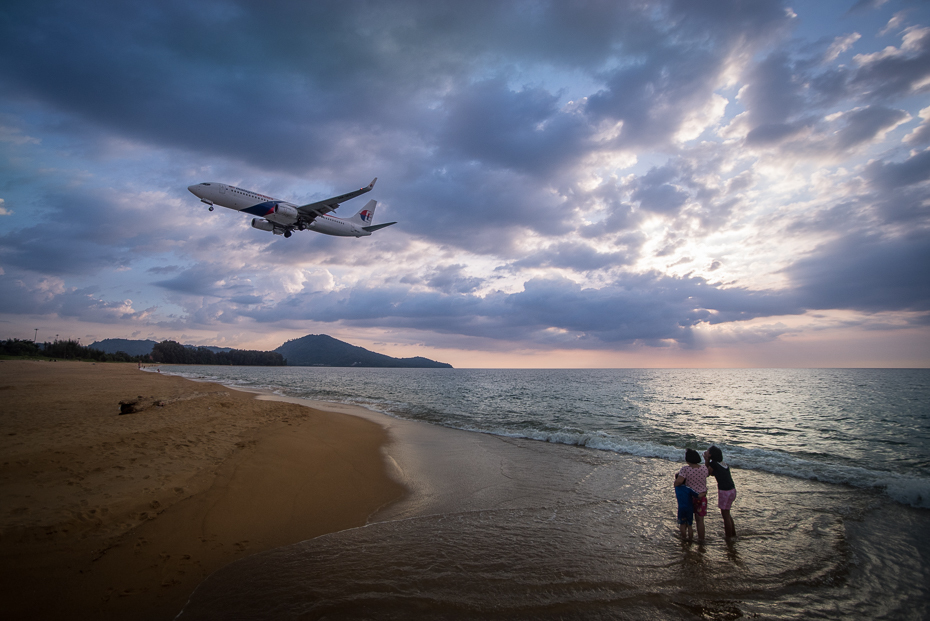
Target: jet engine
283,214
264,225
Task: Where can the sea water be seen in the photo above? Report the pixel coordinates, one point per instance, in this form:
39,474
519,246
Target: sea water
833,509
862,427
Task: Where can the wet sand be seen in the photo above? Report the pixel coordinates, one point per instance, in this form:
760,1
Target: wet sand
121,516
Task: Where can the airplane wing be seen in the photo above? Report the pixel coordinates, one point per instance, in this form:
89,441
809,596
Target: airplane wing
330,204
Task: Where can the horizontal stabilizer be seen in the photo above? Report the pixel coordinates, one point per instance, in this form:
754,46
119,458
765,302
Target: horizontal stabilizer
372,229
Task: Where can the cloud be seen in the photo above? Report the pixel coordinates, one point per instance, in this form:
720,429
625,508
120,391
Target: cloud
592,175
547,311
896,71
577,257
521,130
28,294
891,175
921,134
840,45
866,272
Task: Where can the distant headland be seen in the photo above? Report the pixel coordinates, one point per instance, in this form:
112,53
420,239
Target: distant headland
310,350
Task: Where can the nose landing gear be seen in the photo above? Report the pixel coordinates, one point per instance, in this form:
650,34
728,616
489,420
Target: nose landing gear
211,208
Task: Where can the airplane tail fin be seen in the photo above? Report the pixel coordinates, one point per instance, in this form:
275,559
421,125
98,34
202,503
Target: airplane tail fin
365,214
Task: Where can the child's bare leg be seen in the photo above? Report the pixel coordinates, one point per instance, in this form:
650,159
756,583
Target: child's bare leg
684,529
729,528
700,527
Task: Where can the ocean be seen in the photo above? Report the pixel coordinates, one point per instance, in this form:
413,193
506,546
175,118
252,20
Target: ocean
832,468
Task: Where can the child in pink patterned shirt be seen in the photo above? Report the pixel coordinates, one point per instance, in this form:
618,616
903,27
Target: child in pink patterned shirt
694,475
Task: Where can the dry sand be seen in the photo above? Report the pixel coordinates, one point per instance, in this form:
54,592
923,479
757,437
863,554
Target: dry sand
121,516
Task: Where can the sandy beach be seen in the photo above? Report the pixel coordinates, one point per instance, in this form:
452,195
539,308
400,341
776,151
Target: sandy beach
215,504
115,516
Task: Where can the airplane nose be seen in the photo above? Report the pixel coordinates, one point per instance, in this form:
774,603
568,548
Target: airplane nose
191,188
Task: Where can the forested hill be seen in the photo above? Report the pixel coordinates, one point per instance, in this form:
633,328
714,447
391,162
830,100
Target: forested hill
325,351
130,346
170,352
142,348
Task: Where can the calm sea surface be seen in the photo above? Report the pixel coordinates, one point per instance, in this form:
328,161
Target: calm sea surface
567,509
867,428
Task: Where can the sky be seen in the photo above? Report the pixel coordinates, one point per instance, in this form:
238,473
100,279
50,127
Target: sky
676,183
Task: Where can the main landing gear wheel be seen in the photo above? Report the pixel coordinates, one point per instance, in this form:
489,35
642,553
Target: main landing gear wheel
287,233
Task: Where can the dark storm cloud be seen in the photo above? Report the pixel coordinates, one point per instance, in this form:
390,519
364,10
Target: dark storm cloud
452,279
785,91
652,99
866,272
522,130
462,110
920,136
272,87
213,280
80,231
678,65
892,75
661,198
773,133
198,281
866,5
402,88
483,210
647,308
679,187
280,84
574,256
889,176
24,293
773,94
865,124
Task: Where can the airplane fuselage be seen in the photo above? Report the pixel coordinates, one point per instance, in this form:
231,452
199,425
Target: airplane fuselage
278,216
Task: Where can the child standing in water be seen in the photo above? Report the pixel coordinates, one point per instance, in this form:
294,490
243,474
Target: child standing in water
726,489
685,496
694,475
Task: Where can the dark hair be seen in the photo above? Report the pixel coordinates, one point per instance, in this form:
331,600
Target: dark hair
692,457
715,453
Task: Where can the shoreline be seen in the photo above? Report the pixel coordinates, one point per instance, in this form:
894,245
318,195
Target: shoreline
122,516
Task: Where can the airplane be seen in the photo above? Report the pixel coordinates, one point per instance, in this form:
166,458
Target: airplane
282,218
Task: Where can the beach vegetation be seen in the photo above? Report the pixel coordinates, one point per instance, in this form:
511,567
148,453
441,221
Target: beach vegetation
166,352
62,350
172,352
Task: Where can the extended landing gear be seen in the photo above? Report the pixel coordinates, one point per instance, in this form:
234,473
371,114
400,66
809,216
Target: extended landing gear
287,233
211,208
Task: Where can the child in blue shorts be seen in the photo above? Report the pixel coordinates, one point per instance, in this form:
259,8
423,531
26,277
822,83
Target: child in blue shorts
685,496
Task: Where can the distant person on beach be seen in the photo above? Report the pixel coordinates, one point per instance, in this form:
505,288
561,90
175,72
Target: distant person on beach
694,475
726,489
685,497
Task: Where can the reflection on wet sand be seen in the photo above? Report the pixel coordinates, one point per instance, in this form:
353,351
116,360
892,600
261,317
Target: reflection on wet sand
516,529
